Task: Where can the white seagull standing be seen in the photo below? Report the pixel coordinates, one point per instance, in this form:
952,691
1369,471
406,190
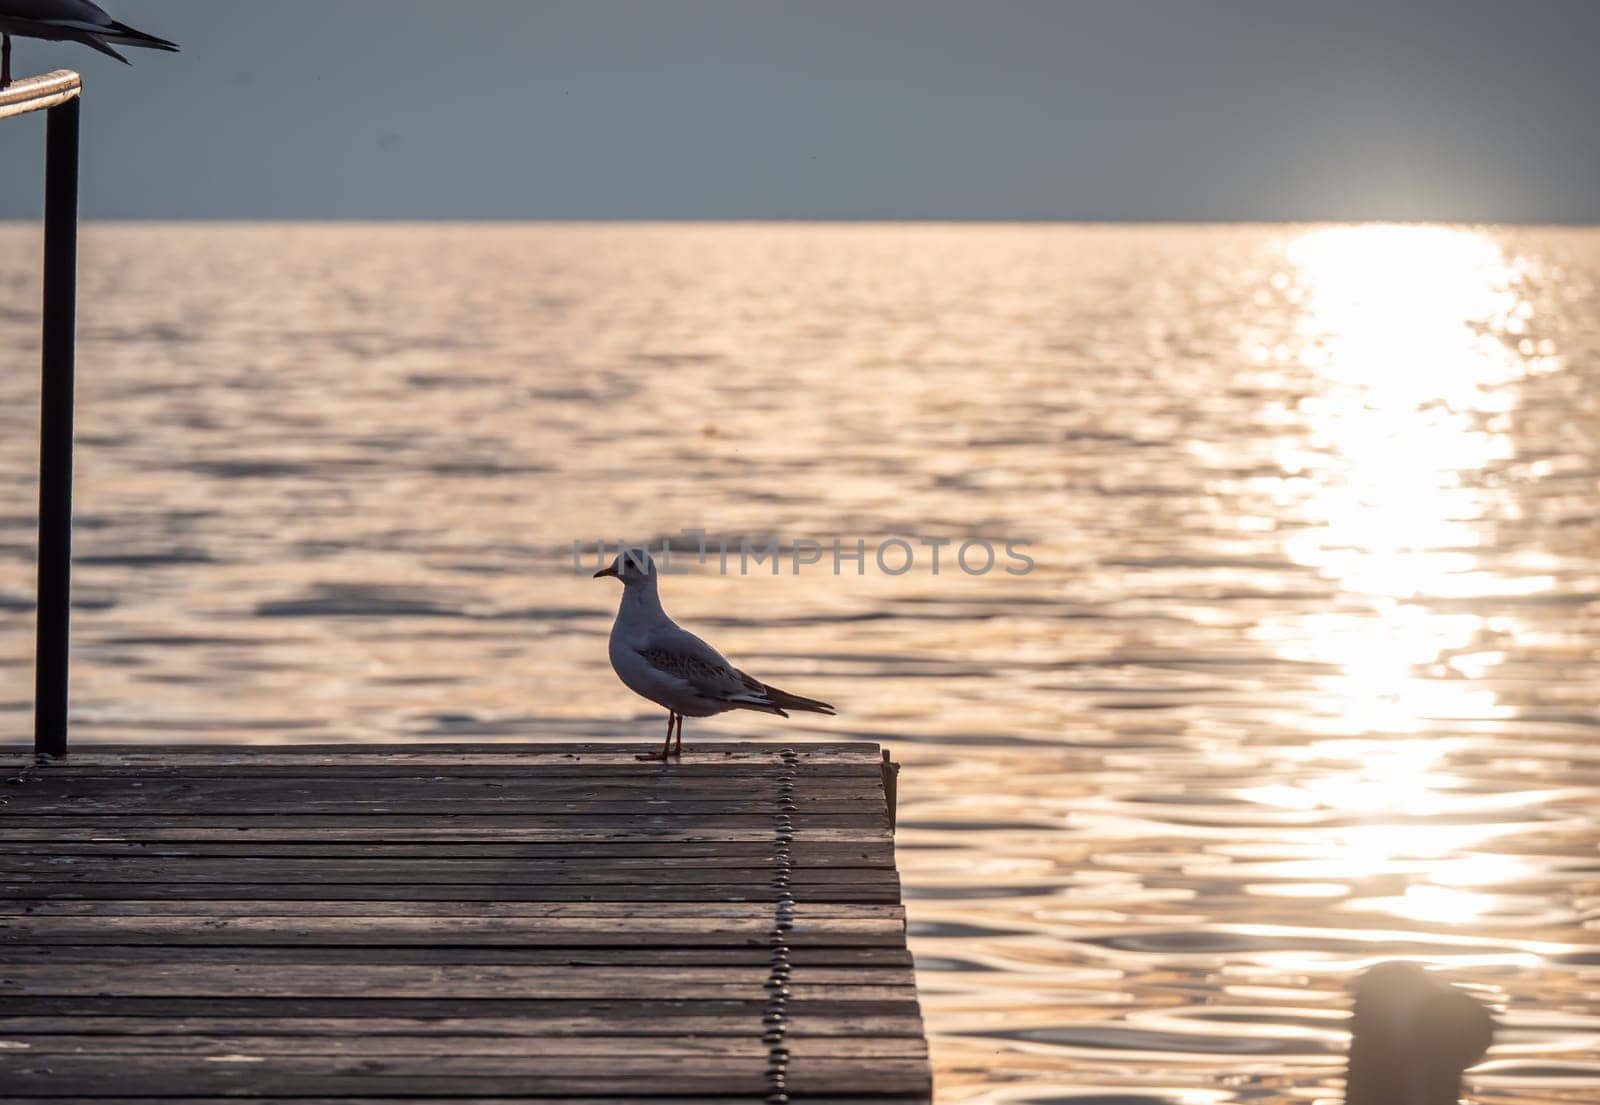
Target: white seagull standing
67,21
672,667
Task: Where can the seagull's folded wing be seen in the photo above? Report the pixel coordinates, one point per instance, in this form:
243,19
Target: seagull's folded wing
681,655
80,14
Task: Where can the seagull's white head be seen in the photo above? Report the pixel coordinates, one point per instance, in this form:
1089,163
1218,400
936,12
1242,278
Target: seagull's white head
632,566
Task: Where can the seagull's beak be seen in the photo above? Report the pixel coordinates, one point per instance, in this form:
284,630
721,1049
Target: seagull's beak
607,572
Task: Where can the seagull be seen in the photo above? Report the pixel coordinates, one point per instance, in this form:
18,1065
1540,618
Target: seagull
67,21
672,667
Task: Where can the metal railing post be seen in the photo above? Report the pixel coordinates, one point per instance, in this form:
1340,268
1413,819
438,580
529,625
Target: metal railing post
55,440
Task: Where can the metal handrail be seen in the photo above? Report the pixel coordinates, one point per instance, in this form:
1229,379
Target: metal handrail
58,94
39,93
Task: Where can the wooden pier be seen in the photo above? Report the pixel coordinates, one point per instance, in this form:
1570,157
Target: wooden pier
454,922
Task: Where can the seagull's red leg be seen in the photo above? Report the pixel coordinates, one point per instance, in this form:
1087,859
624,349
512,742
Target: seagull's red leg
678,751
5,60
666,749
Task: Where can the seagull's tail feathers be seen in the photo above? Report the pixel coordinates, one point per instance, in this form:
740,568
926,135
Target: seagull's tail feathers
100,44
783,700
767,699
124,35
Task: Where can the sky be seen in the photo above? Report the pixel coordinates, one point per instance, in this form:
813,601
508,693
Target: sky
1088,110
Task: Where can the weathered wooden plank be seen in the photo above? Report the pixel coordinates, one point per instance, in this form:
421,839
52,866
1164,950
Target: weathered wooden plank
212,1046
633,953
237,909
537,778
469,1099
611,753
560,772
348,749
335,786
367,980
527,1074
485,932
609,1021
675,818
462,828
477,773
623,754
814,811
689,854
810,911
732,892
325,871
498,1099
661,1010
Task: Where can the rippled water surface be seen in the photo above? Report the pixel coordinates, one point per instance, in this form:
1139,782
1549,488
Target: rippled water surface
1305,676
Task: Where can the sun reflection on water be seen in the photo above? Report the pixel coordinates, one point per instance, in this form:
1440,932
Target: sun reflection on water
1407,333
1409,338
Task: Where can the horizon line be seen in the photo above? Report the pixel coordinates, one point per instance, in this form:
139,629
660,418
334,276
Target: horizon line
670,220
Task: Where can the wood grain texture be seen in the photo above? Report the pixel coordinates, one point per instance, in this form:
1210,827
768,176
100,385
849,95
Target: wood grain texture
453,923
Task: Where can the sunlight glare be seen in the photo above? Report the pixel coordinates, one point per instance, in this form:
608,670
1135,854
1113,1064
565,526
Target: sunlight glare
1408,338
1405,329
